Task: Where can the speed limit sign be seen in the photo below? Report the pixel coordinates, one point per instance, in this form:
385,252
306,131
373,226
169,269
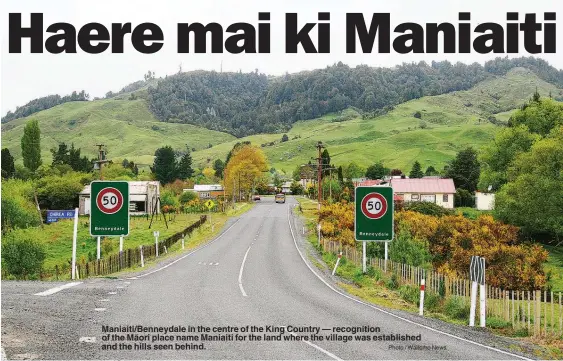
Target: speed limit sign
374,214
109,208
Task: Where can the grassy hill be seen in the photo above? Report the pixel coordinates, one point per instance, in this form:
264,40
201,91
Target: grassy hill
127,127
448,123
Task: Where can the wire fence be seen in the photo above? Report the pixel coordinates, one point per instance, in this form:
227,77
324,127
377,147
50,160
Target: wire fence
539,312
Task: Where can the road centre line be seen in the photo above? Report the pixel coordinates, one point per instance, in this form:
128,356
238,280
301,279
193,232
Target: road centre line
192,252
387,312
53,290
240,273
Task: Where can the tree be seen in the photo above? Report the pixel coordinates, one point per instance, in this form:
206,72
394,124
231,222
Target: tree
396,172
353,170
465,170
31,145
325,162
284,138
246,167
496,157
8,168
532,198
185,170
296,188
219,167
164,165
23,256
430,171
376,171
278,182
416,171
340,175
71,156
540,116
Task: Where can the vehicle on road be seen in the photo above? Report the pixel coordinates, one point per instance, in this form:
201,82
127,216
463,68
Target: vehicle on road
256,197
280,198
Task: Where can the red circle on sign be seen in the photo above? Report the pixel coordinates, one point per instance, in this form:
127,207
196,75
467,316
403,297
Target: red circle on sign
109,200
369,205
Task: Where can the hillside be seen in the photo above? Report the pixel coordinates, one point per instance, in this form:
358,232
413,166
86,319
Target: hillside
448,123
127,127
452,121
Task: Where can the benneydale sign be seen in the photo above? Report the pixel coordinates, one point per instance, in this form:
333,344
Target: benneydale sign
373,214
109,208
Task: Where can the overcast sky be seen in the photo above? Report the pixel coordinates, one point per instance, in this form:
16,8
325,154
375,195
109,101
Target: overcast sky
27,76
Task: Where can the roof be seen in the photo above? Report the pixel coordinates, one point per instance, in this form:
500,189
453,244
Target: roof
207,187
423,185
370,182
135,187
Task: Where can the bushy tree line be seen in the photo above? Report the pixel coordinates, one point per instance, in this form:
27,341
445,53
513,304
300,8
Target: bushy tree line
39,104
244,104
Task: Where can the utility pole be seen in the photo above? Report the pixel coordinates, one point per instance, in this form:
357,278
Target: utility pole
101,160
320,146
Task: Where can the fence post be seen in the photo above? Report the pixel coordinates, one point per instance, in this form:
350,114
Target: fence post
182,241
422,286
142,257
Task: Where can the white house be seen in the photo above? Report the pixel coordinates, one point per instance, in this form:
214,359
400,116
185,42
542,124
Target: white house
143,196
484,201
435,190
207,191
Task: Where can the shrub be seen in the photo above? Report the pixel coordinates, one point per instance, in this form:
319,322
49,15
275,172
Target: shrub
393,282
410,293
463,198
188,196
457,307
22,257
107,246
428,208
495,322
18,209
417,114
431,301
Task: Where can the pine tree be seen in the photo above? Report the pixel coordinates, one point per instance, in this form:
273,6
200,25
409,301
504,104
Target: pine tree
31,146
465,170
416,171
185,170
8,168
164,165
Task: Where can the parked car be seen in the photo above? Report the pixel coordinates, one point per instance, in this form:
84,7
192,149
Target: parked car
256,197
280,198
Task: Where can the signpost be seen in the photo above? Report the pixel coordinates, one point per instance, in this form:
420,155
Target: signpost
210,204
477,275
109,208
53,216
373,217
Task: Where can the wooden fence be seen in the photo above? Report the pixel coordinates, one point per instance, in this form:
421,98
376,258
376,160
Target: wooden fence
538,312
128,258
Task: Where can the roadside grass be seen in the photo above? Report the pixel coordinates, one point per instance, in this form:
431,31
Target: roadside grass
554,267
385,290
57,237
207,232
471,213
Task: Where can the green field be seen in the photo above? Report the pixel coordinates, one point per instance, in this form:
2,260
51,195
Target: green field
448,123
57,237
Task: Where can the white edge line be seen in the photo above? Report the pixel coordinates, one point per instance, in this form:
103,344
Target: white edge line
387,312
57,289
317,347
240,273
192,252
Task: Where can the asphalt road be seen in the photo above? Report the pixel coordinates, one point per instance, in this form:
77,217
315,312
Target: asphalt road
257,273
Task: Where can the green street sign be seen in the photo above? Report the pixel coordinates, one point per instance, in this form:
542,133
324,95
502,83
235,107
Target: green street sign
373,217
109,208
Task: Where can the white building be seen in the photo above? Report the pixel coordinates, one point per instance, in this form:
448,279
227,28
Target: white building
435,190
207,191
143,196
484,201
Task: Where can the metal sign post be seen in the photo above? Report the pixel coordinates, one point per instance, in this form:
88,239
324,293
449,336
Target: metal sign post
477,275
109,208
74,237
373,217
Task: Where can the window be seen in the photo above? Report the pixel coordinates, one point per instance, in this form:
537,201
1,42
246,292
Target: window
414,197
445,198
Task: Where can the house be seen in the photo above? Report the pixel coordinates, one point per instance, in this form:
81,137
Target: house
207,191
143,196
286,187
370,183
484,201
436,190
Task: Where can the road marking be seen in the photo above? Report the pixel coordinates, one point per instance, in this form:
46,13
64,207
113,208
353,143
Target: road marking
127,283
330,354
87,339
240,273
216,264
132,278
57,289
112,293
119,287
99,309
387,312
104,300
189,254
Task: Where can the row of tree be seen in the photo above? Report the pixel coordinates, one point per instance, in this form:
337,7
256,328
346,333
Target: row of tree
39,104
244,104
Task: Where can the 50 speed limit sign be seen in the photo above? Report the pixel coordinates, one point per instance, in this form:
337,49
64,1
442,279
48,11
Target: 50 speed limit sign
109,208
374,214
